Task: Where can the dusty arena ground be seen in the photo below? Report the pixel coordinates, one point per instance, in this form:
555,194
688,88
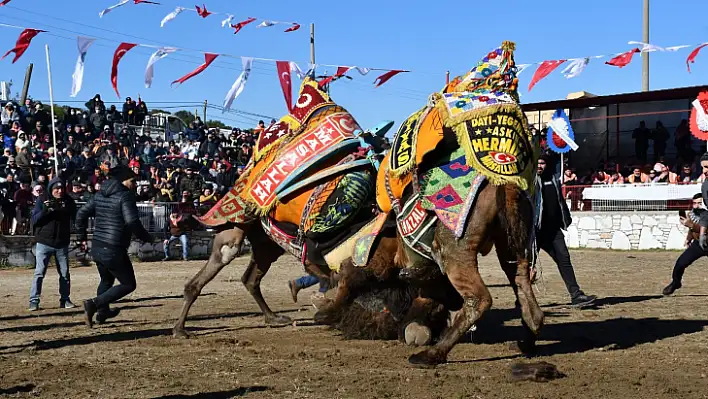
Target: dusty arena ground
634,344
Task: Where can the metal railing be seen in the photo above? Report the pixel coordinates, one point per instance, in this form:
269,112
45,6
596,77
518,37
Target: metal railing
678,197
155,216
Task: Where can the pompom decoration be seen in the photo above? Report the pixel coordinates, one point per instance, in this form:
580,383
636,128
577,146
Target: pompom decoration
699,116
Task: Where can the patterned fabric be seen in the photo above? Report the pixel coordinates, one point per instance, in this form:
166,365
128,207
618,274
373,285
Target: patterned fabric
496,72
272,135
231,208
459,103
352,193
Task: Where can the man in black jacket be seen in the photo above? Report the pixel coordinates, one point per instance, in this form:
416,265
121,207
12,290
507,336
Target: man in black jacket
116,220
51,218
552,217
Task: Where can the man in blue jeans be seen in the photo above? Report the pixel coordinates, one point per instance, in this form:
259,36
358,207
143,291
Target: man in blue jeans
180,226
51,218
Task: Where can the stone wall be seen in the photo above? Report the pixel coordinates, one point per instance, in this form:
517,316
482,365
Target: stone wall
626,230
18,251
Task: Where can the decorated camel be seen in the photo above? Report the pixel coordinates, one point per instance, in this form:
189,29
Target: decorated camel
455,183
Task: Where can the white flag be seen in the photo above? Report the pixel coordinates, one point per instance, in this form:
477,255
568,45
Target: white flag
576,67
83,43
111,8
521,67
227,22
239,84
266,24
169,17
295,68
156,56
363,71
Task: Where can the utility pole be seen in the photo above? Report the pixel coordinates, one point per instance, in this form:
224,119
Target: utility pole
25,88
447,77
645,56
312,48
205,108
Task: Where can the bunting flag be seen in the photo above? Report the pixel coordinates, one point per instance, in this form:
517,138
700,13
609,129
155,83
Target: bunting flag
202,11
117,56
22,43
208,59
363,71
649,48
4,2
241,24
622,60
113,7
286,84
239,84
692,57
293,28
521,67
156,56
386,76
294,68
145,2
340,72
169,17
83,44
227,21
266,24
544,70
575,68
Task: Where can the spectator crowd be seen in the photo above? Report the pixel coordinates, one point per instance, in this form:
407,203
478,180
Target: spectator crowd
193,171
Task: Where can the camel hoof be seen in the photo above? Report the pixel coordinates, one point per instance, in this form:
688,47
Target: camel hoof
417,335
324,317
278,320
426,359
527,347
180,333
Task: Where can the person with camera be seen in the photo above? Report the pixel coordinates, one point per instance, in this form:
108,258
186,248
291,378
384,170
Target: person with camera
116,220
51,218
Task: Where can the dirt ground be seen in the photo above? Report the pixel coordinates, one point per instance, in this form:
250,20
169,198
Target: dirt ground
635,344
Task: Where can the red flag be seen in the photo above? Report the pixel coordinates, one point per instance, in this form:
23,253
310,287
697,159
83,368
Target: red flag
285,81
692,57
144,1
241,24
623,59
4,2
293,28
120,52
386,76
203,11
340,72
208,59
544,70
23,43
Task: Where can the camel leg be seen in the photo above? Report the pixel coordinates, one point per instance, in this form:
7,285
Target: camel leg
226,246
516,269
264,253
459,259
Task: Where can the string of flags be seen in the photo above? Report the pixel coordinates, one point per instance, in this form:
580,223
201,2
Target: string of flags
203,12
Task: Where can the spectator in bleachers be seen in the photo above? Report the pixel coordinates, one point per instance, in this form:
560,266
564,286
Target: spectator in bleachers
601,177
641,136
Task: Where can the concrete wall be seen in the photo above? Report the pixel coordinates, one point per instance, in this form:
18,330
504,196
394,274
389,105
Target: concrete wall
19,251
626,230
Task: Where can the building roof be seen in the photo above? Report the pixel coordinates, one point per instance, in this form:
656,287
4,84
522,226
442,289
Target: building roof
584,102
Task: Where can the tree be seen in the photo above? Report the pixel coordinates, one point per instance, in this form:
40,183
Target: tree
186,116
159,111
217,124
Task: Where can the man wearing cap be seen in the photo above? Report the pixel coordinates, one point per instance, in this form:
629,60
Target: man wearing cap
51,219
116,220
552,217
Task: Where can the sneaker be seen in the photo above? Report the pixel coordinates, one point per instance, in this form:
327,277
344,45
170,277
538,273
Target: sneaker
669,289
66,304
294,289
33,307
581,300
166,258
101,317
89,311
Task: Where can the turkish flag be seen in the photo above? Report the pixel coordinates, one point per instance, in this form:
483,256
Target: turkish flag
208,59
117,56
386,76
23,43
340,72
692,57
285,81
241,24
293,28
144,1
544,70
202,11
623,59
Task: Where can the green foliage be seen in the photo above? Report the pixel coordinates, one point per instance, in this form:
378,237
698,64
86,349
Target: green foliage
217,124
186,116
159,111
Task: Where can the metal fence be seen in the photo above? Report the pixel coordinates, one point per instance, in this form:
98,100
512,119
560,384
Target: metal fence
579,202
155,217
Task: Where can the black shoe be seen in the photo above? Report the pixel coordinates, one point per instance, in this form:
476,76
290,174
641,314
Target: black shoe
673,286
89,311
581,300
101,317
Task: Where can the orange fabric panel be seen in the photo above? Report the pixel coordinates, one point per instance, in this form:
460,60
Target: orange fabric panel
397,185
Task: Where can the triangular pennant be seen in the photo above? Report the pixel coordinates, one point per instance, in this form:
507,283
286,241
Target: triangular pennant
544,70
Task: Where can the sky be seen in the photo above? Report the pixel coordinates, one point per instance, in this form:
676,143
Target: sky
426,38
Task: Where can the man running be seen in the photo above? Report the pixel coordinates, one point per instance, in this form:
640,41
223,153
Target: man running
693,249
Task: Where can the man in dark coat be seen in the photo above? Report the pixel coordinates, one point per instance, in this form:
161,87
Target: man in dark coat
552,217
116,220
